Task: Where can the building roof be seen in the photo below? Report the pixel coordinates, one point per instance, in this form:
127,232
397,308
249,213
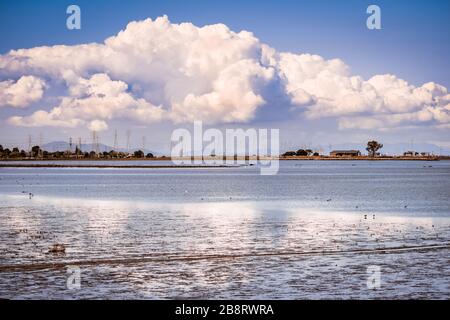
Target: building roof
344,151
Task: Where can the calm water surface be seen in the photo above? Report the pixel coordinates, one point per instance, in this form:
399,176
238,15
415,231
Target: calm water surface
227,232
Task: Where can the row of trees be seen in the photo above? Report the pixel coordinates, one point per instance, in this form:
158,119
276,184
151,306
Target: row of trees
372,149
37,153
300,152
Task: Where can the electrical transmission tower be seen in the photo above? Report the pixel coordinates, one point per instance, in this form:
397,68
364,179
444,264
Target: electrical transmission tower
115,141
41,139
79,146
70,145
94,139
29,143
128,140
97,144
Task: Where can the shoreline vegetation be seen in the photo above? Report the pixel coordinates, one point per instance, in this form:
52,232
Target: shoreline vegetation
31,163
231,158
35,154
107,166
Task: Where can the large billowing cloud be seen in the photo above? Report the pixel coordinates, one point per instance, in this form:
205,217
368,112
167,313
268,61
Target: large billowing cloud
155,70
327,89
21,93
91,102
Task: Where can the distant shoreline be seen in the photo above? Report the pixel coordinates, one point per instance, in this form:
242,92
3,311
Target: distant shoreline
31,163
367,158
107,166
230,158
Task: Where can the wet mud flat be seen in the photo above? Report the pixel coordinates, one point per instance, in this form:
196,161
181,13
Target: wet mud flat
315,230
188,251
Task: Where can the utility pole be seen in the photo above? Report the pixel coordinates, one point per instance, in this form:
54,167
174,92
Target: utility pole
143,144
79,146
29,143
115,140
41,152
94,139
321,150
97,144
128,140
70,145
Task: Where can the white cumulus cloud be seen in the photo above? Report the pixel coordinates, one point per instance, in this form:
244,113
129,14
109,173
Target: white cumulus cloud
21,93
97,125
155,70
91,102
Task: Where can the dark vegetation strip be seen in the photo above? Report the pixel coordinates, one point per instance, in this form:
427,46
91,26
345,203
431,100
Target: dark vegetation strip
170,257
39,165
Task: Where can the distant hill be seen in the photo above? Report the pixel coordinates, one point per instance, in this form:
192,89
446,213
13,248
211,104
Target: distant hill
87,147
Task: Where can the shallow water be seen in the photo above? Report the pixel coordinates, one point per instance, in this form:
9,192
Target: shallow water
228,232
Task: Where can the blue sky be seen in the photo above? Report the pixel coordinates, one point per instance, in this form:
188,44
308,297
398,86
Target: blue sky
413,43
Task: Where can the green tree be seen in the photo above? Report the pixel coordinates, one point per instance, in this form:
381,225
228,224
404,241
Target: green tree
139,154
35,151
113,154
15,153
372,147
